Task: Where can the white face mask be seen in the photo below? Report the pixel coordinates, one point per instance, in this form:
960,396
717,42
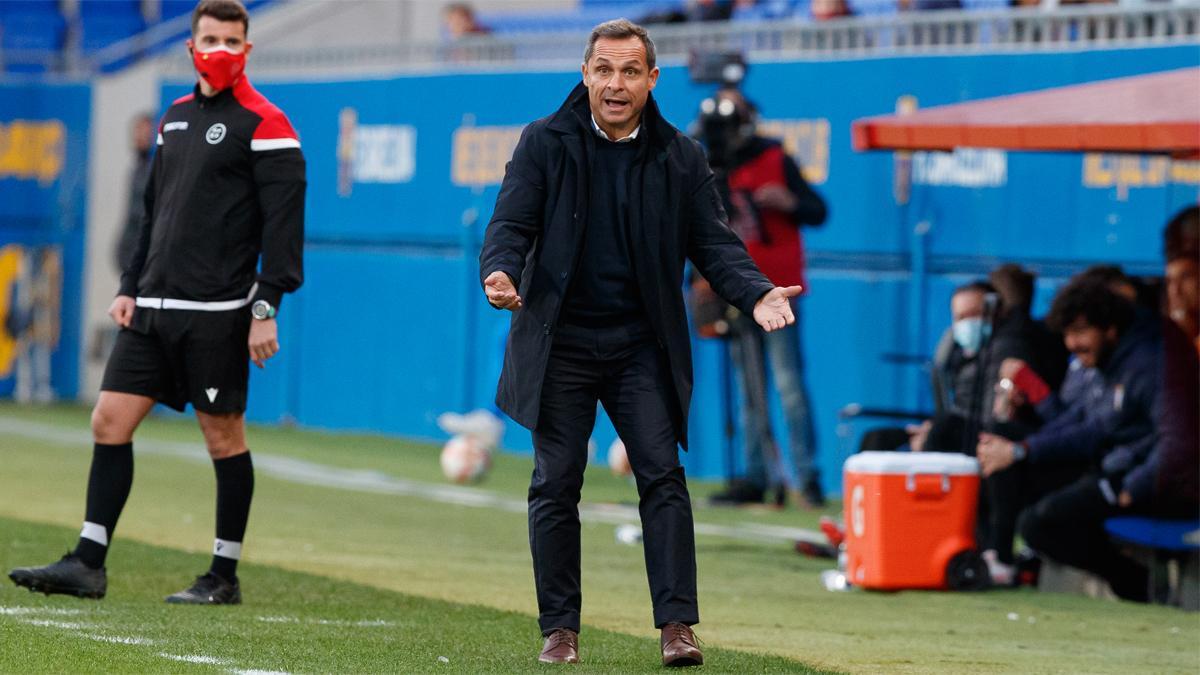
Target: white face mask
970,333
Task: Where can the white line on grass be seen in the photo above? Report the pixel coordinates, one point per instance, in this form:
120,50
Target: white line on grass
195,658
27,615
366,623
22,611
117,639
361,480
63,625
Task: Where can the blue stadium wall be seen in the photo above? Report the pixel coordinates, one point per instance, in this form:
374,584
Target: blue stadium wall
43,197
390,328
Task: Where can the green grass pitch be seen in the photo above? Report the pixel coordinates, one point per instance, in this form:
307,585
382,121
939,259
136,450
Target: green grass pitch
365,565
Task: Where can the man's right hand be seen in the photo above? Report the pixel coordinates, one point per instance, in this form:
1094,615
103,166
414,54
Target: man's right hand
501,292
121,310
918,435
1009,368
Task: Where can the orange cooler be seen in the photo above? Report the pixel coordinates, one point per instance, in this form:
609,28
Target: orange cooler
910,520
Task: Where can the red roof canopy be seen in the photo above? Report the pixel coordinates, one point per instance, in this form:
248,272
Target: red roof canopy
1155,113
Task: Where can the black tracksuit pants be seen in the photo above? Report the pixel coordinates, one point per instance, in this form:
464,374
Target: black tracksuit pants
1068,527
625,370
1008,493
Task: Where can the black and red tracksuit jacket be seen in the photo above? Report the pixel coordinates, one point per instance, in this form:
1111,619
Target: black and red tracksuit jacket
227,185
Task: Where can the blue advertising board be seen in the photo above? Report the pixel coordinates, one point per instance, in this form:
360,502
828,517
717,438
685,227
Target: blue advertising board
43,198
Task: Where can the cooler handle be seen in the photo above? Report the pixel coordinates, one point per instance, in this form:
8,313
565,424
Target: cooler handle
910,481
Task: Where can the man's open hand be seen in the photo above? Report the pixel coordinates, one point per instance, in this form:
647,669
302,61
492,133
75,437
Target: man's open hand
773,311
501,292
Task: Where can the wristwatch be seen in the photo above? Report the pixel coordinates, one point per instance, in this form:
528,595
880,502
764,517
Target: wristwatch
262,310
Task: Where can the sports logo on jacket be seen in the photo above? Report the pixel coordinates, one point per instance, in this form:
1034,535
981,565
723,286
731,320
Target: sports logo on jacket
215,133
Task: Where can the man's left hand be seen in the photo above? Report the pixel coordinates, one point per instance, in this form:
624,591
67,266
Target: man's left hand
1124,500
263,340
773,311
995,453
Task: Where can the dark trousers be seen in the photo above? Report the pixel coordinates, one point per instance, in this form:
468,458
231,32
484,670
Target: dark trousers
1008,493
1068,527
625,370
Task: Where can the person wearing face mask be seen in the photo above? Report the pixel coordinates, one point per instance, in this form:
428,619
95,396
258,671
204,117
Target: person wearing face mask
966,368
225,195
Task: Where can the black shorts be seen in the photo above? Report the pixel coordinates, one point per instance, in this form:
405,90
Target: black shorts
180,356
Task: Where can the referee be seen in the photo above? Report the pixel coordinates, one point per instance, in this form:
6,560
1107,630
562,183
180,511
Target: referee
227,186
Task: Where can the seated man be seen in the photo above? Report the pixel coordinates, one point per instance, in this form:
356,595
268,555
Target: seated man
1104,438
1178,484
1032,391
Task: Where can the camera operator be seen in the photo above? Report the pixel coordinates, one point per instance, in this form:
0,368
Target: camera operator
767,201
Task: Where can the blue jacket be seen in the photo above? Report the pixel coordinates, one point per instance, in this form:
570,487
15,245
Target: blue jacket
1119,414
1078,381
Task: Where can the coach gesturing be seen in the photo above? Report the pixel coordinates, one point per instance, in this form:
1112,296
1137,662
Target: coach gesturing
227,186
601,205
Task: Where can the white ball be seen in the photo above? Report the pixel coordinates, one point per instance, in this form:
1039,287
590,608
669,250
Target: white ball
465,459
628,534
618,459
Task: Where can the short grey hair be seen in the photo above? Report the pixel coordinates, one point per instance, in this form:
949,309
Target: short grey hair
620,29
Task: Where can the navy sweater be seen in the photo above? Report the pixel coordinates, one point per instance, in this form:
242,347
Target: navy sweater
605,289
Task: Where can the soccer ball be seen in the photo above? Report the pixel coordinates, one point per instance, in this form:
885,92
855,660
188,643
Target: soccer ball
618,460
466,459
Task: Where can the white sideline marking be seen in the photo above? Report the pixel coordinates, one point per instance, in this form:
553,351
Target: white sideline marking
117,639
195,658
362,480
277,619
25,615
366,623
64,625
22,611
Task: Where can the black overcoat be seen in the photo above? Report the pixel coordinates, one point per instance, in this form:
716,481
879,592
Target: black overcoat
535,237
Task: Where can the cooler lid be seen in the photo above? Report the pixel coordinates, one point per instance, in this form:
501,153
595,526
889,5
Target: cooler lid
904,463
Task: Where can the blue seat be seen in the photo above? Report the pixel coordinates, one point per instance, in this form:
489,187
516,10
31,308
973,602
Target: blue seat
1165,535
100,31
29,8
985,4
169,9
873,7
33,32
111,8
581,19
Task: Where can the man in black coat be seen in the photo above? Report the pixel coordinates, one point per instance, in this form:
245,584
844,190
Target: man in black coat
601,205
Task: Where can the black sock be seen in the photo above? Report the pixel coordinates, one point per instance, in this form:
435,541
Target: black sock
108,488
235,487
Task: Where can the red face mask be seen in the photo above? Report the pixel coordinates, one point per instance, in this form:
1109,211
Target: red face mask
219,67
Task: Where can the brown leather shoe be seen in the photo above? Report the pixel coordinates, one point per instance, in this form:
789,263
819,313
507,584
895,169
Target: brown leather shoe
562,646
679,646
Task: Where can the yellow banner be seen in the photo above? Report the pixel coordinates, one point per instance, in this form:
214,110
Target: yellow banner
11,257
807,141
1125,172
480,153
32,150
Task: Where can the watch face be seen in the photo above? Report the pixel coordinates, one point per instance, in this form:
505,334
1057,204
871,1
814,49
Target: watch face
261,310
